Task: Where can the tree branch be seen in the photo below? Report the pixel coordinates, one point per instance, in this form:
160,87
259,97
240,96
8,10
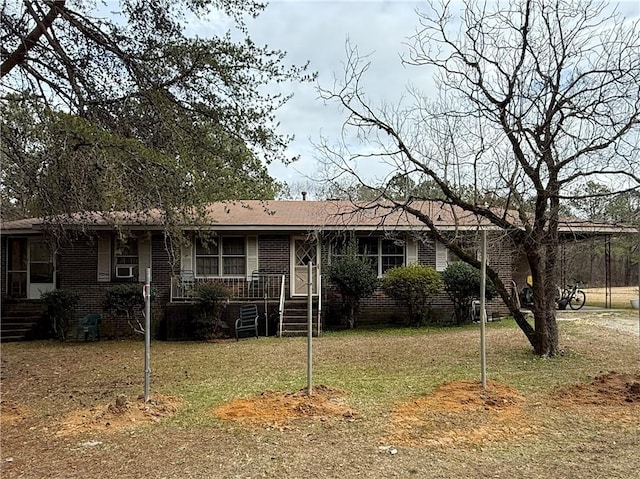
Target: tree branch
18,56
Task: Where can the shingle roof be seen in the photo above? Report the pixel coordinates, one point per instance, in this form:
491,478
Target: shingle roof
257,215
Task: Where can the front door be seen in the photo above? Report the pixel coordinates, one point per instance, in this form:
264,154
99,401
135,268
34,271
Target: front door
30,269
41,270
304,251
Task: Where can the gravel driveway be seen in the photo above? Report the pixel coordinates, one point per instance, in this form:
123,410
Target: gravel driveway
625,320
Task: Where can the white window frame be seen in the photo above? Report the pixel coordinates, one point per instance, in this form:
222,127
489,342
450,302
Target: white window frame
220,255
120,259
110,257
379,255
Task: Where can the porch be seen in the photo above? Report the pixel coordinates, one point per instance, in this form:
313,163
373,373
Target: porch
269,290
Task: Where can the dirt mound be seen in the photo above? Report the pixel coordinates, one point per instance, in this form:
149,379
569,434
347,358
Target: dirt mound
119,415
610,389
274,408
460,412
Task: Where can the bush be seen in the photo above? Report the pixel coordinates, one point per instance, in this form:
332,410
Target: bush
462,284
210,302
413,286
355,279
60,307
127,299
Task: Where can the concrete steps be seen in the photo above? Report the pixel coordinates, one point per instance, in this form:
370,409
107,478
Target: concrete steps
295,318
19,321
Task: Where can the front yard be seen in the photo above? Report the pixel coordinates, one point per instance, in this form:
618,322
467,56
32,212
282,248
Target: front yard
388,403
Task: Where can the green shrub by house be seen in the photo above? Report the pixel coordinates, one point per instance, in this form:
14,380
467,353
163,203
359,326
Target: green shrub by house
210,303
354,278
462,284
61,304
413,286
127,300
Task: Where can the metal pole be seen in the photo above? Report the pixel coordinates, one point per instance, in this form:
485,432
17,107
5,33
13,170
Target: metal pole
483,313
607,271
309,327
147,333
266,314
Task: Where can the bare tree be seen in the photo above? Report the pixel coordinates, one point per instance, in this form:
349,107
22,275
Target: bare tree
532,99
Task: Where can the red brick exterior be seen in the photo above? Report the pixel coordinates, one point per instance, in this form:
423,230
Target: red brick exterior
77,271
76,266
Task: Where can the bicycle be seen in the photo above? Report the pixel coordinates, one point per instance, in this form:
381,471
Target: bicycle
572,296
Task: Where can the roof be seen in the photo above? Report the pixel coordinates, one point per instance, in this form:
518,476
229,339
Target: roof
260,215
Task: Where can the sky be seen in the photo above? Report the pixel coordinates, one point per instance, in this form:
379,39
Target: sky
316,31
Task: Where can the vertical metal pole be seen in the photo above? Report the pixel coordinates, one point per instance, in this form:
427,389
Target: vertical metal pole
266,314
309,327
483,312
607,271
147,333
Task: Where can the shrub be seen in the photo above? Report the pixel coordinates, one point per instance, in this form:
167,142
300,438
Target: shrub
210,303
462,284
127,299
354,278
413,286
60,307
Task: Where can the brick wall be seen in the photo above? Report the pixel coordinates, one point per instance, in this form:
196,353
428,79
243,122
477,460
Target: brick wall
380,309
77,271
274,252
77,266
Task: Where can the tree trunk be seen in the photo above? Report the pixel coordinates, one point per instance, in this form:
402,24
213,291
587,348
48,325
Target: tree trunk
545,341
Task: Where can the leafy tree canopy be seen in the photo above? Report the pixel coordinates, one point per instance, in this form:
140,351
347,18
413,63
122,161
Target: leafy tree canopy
127,110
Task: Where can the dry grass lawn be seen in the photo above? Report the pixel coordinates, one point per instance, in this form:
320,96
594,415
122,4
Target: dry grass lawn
392,403
620,296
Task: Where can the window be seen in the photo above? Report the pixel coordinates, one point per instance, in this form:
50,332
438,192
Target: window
123,258
40,262
223,256
126,258
29,262
17,267
392,254
382,253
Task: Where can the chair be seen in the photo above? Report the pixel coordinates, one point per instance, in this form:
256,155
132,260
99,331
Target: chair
248,320
187,283
88,327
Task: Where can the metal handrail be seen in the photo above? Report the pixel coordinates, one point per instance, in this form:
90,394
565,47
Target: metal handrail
281,307
260,286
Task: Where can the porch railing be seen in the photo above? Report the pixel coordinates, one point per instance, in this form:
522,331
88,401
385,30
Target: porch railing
258,286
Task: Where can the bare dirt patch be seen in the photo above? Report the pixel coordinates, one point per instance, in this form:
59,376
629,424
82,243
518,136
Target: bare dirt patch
611,389
610,398
276,409
119,415
460,412
11,412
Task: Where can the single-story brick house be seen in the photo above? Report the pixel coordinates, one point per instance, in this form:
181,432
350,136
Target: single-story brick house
259,249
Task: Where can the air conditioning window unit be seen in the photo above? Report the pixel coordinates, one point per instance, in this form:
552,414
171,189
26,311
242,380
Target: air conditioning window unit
125,271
